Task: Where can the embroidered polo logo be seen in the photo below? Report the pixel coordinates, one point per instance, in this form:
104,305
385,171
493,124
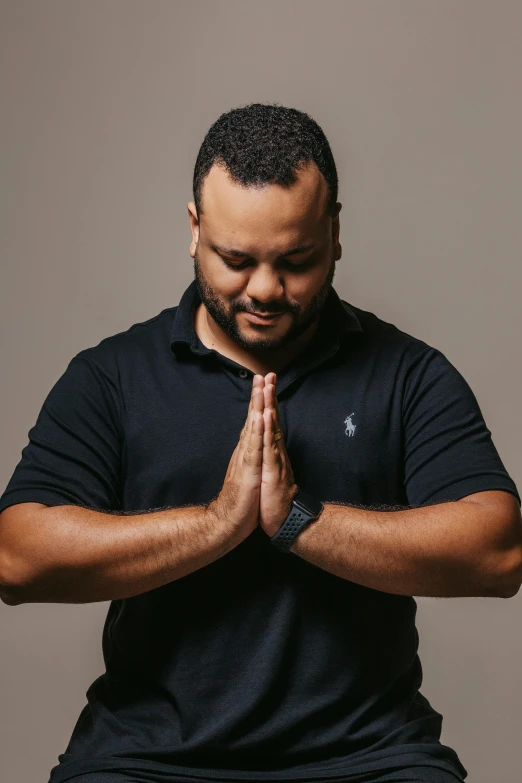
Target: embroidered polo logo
350,426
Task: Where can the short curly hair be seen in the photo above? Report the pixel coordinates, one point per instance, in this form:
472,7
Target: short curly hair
265,143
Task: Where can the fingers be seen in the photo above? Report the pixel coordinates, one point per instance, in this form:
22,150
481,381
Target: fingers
270,401
256,401
258,382
253,456
271,453
270,397
251,440
275,458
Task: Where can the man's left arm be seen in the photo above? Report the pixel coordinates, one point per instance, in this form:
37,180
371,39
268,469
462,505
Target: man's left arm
468,547
436,546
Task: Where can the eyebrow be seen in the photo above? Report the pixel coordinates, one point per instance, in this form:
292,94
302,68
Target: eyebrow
228,251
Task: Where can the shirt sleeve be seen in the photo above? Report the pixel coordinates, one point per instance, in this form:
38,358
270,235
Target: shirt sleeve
73,456
448,449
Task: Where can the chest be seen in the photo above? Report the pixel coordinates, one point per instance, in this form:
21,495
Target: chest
342,434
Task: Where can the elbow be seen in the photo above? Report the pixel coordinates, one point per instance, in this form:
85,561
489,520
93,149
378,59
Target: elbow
10,583
512,591
18,551
511,574
10,598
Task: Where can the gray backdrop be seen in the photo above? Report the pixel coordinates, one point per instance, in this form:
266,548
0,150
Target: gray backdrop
105,104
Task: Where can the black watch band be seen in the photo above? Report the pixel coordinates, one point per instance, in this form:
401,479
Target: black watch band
305,509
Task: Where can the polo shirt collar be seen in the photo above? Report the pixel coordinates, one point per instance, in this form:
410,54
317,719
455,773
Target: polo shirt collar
337,321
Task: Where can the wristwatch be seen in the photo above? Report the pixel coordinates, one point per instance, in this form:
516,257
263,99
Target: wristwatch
305,509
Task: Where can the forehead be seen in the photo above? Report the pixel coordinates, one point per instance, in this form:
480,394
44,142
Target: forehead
235,212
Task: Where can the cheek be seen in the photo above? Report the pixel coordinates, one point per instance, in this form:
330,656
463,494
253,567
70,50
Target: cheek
226,285
305,288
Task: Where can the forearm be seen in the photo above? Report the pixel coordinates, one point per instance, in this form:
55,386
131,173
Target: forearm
436,550
71,554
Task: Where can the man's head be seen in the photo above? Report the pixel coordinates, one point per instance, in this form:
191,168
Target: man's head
265,184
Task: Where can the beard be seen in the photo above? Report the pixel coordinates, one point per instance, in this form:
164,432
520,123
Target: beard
226,317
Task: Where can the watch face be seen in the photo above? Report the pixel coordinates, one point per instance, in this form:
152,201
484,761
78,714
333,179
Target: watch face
308,503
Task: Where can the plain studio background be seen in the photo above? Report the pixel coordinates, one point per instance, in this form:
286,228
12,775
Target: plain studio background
105,104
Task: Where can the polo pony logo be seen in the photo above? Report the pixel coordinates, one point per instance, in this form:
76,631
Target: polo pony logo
350,426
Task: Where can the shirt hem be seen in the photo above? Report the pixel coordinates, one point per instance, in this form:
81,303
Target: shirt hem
379,761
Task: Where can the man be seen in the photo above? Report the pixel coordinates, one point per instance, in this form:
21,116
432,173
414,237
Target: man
251,637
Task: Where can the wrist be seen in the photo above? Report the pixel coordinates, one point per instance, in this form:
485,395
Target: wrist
291,495
304,510
222,526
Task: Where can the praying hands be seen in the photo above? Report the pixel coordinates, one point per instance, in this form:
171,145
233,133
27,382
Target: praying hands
259,484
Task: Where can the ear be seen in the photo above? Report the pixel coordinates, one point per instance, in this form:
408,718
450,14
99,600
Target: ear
194,227
337,248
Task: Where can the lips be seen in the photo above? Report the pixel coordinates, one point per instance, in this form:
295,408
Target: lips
263,315
266,319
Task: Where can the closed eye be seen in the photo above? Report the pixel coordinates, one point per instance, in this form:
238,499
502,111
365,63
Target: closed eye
288,264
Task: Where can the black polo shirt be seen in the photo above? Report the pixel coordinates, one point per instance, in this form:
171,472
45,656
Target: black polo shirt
260,665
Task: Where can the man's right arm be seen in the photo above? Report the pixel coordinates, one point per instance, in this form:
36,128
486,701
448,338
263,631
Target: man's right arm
71,554
75,554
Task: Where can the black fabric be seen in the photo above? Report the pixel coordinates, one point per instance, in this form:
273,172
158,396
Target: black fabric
259,666
417,774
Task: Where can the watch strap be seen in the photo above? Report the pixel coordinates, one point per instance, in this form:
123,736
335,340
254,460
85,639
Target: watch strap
305,509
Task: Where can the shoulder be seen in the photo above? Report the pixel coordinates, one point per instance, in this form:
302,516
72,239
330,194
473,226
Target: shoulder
122,350
388,341
406,362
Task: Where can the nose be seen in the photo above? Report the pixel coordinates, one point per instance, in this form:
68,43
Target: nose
265,288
